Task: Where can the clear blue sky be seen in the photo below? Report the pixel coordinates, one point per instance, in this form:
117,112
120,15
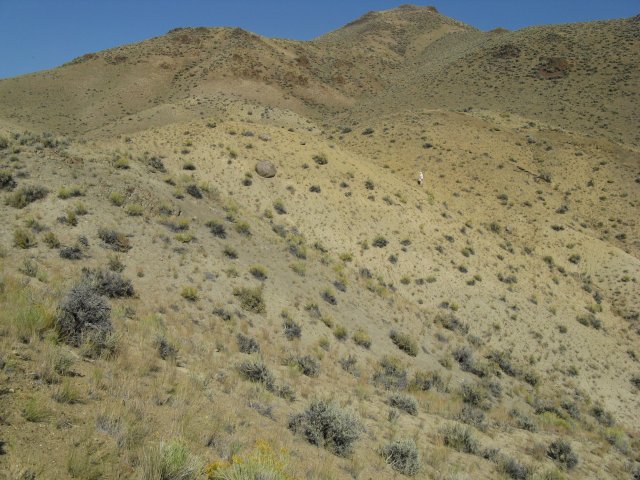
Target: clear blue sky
41,34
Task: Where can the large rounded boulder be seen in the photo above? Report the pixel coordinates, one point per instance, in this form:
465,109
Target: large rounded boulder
266,169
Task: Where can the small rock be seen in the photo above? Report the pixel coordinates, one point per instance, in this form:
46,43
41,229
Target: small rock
266,169
264,137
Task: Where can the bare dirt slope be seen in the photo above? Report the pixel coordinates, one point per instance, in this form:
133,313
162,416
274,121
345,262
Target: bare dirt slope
482,325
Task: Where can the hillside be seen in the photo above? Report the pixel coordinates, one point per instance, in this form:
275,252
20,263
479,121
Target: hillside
166,311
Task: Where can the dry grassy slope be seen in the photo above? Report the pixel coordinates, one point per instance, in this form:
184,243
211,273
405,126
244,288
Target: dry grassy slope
591,86
452,212
385,61
515,258
199,65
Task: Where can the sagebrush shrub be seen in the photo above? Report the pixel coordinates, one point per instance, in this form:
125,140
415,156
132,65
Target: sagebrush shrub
114,240
459,438
425,381
403,402
170,461
83,314
6,181
71,252
251,299
51,240
515,470
26,195
308,365
165,348
189,293
362,338
108,283
403,456
256,371
291,329
24,238
327,425
391,374
258,271
562,453
404,342
247,344
380,241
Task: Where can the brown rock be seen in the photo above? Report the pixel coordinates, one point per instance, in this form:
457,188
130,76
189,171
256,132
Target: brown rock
266,169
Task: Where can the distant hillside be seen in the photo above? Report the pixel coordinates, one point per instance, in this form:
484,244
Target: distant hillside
217,262
582,76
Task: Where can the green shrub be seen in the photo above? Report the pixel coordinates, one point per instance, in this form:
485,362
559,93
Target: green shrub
404,342
403,456
70,218
80,208
380,241
184,237
279,207
328,295
24,238
243,228
230,252
340,333
327,425
26,195
391,374
602,416
6,181
114,240
361,338
451,322
156,163
189,293
134,210
34,411
262,464
116,199
299,267
320,159
404,402
193,190
251,299
425,381
68,192
217,229
121,163
474,394
170,461
459,438
258,271
50,240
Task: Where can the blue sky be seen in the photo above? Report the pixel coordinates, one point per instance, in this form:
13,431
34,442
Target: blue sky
41,34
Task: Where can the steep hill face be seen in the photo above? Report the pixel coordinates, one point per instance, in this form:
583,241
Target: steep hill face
581,77
168,312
